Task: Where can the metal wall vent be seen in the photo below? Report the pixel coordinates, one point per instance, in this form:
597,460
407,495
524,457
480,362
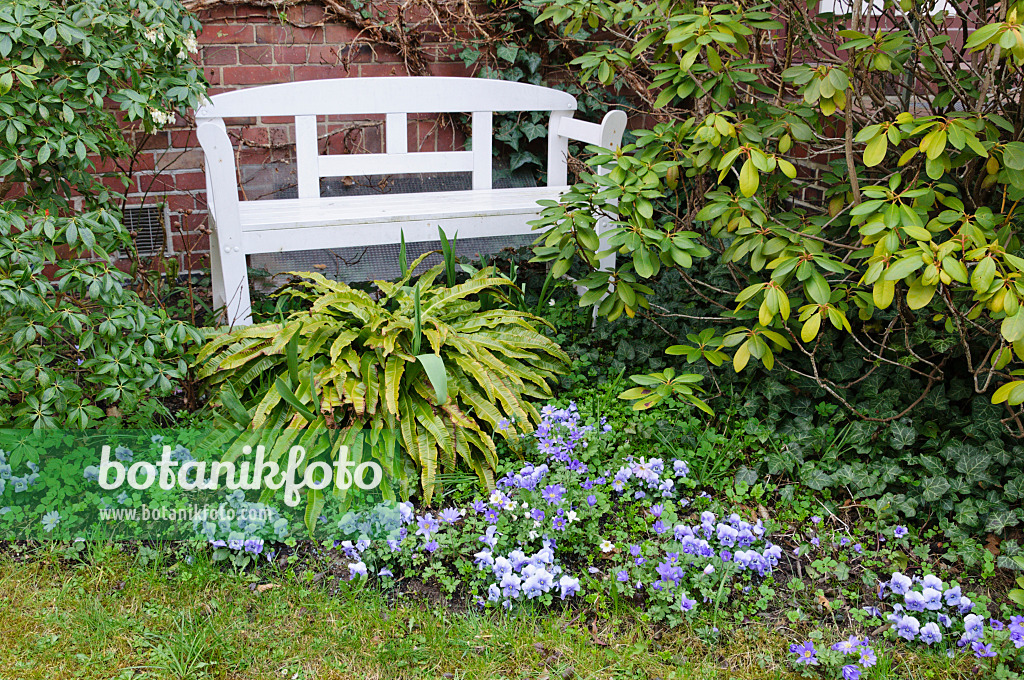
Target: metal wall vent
151,226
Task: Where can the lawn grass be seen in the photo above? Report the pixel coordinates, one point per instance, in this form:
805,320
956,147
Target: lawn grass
111,616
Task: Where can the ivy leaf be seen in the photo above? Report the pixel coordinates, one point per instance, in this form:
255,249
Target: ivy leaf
901,435
1014,489
780,461
958,485
973,465
933,488
814,477
889,472
1001,520
507,52
933,465
746,475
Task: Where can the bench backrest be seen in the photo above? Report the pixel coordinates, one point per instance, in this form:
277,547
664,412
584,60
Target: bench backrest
395,98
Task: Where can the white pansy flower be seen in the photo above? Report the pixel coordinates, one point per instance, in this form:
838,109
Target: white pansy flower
607,546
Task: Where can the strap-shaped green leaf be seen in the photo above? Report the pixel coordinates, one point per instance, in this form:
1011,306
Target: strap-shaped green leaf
293,401
234,406
433,365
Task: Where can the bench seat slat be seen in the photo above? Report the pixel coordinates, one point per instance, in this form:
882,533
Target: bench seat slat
297,213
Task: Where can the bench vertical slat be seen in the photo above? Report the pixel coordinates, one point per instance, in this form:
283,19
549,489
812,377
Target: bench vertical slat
483,128
230,277
558,150
307,157
396,131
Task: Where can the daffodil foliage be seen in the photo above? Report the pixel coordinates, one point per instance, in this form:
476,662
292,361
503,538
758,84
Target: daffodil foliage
807,171
419,377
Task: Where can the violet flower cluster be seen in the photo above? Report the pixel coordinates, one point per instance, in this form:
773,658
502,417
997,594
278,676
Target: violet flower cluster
851,657
931,612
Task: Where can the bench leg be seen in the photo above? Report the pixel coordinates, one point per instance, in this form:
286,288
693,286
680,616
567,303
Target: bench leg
220,300
238,306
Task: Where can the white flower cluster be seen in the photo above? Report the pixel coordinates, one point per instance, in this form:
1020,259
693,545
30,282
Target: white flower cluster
161,118
153,34
190,45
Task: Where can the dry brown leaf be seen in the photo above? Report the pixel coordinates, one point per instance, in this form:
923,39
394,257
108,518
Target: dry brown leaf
992,544
264,587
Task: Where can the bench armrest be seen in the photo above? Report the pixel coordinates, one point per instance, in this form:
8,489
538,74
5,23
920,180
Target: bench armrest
563,127
606,134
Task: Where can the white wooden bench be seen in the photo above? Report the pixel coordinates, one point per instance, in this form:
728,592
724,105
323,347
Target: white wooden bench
309,222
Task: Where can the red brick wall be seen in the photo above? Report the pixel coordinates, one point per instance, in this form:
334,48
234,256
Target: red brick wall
245,46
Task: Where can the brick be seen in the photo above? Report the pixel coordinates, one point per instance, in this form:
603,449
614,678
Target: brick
180,159
179,202
324,54
362,53
340,34
256,54
190,181
280,135
256,136
379,70
156,184
256,15
321,71
236,34
314,13
446,139
219,55
290,54
102,165
213,77
217,14
249,156
184,139
288,35
456,69
116,184
156,140
256,75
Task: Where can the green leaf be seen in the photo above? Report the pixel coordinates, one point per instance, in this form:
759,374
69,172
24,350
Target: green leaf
293,401
919,294
933,488
814,477
874,152
1012,327
433,365
314,505
902,435
292,355
903,268
1013,155
750,178
234,406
